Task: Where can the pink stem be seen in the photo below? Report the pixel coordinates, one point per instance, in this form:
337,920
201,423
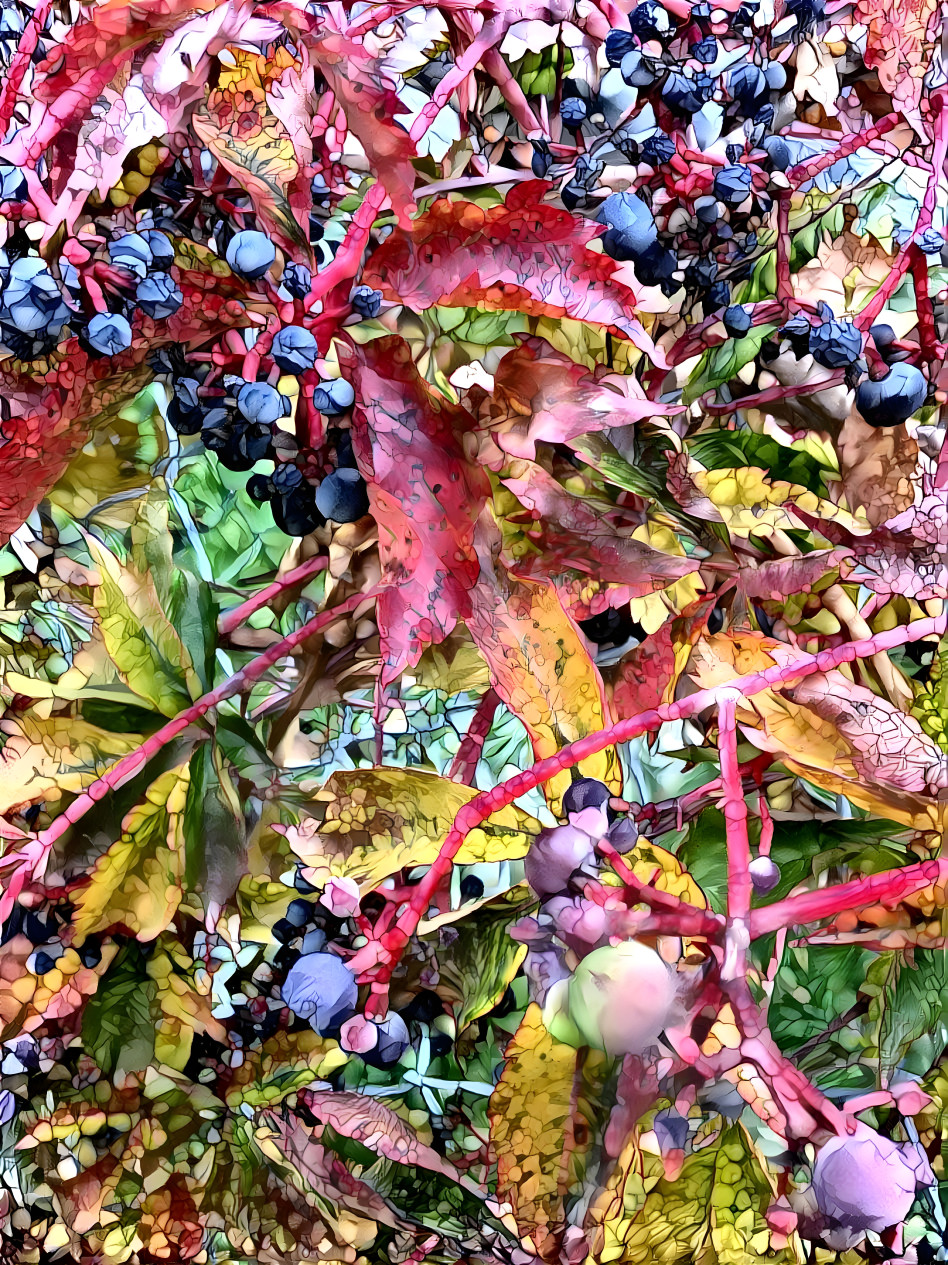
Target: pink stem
784,283
21,60
658,901
813,166
464,765
776,392
240,614
927,334
346,262
735,814
34,854
384,955
513,94
464,65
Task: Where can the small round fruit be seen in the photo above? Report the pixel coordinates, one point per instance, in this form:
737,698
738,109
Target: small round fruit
655,265
765,875
131,252
637,70
296,514
892,400
658,149
109,333
737,321
573,112
650,21
342,496
260,402
586,792
158,296
706,50
778,151
250,254
747,84
682,93
732,185
321,988
930,242
621,997
333,396
367,302
294,349
13,186
161,247
554,856
867,1182
835,344
260,488
618,44
392,1042
297,278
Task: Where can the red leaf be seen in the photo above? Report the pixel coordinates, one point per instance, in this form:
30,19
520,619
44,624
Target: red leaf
542,396
645,674
48,419
895,44
576,535
521,257
425,497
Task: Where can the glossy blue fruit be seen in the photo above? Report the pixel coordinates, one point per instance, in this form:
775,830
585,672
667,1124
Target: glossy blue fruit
131,252
250,254
707,210
12,184
342,496
732,184
930,242
294,349
286,478
637,70
628,215
585,792
682,93
718,296
656,265
892,400
161,247
158,296
775,75
321,988
658,149
260,402
807,13
835,344
650,21
333,396
778,151
109,333
297,278
705,50
748,85
573,112
618,43
542,159
366,302
393,1041
737,321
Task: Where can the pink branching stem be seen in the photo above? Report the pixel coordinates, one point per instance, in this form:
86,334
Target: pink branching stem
766,826
927,333
346,262
888,888
776,392
464,765
660,902
33,855
813,166
383,13
381,957
784,283
299,575
735,814
491,33
21,60
513,94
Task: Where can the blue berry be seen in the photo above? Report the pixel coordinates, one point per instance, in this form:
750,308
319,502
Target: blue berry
12,184
333,396
90,955
161,247
286,478
342,496
719,295
109,333
259,402
701,274
706,50
131,252
807,13
658,149
158,296
737,321
707,210
732,184
930,242
366,302
892,400
764,116
650,21
185,412
637,70
618,43
573,112
778,151
294,349
260,488
628,215
299,912
43,963
681,92
393,1041
775,75
296,514
250,254
585,792
321,988
835,344
542,160
11,25
297,278
656,264
748,85
32,301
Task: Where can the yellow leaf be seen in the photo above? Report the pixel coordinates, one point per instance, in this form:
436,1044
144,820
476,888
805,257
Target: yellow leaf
143,644
136,883
42,760
750,503
283,1064
381,820
541,668
184,999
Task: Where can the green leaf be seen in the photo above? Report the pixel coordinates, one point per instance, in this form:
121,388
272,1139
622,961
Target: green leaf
729,449
213,827
484,959
117,1026
720,364
910,1010
139,637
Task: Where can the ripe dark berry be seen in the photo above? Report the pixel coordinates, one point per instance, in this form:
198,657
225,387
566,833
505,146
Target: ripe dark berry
930,242
637,70
775,75
807,13
737,321
747,84
682,93
573,112
765,875
471,888
299,912
393,1040
892,400
109,333
43,962
260,488
286,478
294,349
250,254
542,159
12,184
718,296
296,514
707,210
701,274
658,149
585,792
158,296
184,409
835,344
321,988
632,225
554,856
778,151
131,252
260,402
655,265
333,396
706,50
732,184
342,496
297,278
649,21
618,43
90,955
366,302
161,247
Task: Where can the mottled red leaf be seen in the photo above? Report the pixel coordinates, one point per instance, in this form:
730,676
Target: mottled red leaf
542,396
425,497
524,256
644,675
895,44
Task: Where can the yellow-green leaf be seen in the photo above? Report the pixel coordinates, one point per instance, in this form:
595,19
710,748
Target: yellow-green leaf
136,883
42,760
141,641
380,820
